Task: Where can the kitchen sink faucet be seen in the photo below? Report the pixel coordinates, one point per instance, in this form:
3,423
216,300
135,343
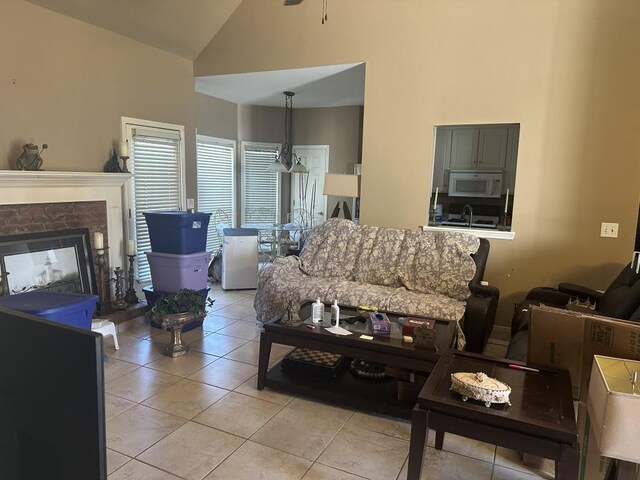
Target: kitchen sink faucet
463,215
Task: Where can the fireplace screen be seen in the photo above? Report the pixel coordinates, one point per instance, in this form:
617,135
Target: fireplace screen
57,261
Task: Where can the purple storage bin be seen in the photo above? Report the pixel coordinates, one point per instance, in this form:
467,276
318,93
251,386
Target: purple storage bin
170,272
180,233
152,295
75,309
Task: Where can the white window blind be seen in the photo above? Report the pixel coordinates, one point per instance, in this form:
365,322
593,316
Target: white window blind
216,180
260,186
157,182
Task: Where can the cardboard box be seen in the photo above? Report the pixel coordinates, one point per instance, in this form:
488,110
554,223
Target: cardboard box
593,466
568,340
555,340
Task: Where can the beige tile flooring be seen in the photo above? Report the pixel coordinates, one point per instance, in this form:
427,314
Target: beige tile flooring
201,417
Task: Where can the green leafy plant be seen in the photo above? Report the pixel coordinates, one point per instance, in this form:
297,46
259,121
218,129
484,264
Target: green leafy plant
182,301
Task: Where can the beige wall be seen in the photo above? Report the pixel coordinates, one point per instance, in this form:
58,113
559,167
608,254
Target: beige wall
216,117
566,70
338,127
67,83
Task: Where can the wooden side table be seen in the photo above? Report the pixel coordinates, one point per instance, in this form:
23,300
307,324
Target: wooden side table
540,420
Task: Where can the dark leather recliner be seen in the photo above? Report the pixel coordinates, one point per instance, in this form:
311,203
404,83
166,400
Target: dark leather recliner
481,308
620,300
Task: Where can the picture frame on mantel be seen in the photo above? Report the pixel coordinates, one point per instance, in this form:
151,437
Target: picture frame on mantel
54,261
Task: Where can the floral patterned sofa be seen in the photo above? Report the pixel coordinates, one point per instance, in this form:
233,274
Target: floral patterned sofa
435,274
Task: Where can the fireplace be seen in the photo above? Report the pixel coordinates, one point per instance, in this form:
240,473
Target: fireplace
49,201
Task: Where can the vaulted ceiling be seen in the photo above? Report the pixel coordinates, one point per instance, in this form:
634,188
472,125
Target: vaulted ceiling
183,27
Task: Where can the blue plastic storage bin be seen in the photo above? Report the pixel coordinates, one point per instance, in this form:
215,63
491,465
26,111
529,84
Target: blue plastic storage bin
152,297
75,309
177,232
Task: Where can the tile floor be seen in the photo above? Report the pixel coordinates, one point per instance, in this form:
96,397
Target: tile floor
201,417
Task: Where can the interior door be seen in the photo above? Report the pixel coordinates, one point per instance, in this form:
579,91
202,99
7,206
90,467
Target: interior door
316,159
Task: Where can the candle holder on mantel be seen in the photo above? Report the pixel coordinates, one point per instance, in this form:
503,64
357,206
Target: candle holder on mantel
119,303
102,279
124,159
131,297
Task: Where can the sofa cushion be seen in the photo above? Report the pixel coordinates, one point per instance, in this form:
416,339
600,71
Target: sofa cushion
438,262
395,299
355,294
380,250
283,281
432,305
331,249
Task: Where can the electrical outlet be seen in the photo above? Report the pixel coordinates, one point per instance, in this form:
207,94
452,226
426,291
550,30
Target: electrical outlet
191,203
609,230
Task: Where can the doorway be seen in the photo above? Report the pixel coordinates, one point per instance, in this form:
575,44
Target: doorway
316,159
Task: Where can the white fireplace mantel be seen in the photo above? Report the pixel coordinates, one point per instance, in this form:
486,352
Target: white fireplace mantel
18,187
20,179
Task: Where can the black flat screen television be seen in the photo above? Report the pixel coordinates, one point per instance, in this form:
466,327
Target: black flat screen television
52,417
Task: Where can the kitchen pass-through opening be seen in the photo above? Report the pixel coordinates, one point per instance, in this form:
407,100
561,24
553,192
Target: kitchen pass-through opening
474,172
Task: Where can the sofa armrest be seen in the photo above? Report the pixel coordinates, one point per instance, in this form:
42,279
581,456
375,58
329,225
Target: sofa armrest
579,291
485,290
548,296
479,318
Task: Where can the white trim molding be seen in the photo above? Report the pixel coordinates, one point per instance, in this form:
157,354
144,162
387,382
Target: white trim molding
478,232
33,179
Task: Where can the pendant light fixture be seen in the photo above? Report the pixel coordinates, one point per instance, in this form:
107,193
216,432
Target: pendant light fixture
287,160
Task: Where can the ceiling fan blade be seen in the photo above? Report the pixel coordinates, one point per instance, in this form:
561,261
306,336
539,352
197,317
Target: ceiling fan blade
289,3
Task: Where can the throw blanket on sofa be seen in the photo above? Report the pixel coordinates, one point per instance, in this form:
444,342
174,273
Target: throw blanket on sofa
409,271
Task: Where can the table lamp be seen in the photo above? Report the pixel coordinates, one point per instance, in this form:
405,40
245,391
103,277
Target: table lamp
613,404
341,185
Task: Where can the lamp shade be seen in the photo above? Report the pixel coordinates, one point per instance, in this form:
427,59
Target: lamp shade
613,404
277,166
298,167
341,185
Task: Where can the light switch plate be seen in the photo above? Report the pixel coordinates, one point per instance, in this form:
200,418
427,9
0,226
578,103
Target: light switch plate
609,230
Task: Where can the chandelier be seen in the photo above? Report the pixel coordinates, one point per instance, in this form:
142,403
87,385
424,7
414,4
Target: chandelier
287,161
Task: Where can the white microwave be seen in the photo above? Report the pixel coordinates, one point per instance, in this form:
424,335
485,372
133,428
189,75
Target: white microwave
474,183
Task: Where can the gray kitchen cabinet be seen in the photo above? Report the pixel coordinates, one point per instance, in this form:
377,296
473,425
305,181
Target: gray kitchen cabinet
478,148
492,148
509,181
441,161
464,148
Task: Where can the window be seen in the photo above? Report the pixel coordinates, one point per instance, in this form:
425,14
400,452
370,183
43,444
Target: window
216,180
157,165
260,186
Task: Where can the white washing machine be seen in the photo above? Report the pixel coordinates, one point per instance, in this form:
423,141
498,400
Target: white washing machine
239,258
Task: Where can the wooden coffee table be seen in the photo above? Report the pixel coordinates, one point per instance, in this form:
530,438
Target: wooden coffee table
539,421
346,389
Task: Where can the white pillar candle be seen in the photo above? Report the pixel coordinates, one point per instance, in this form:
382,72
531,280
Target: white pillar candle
506,202
123,150
435,199
131,247
98,241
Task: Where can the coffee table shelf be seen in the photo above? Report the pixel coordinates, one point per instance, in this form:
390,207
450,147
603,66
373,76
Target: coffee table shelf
375,395
346,389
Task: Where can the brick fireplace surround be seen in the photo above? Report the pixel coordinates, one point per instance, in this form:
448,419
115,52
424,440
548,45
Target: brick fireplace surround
44,217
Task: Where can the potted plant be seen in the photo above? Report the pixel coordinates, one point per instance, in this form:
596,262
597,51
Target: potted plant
174,310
